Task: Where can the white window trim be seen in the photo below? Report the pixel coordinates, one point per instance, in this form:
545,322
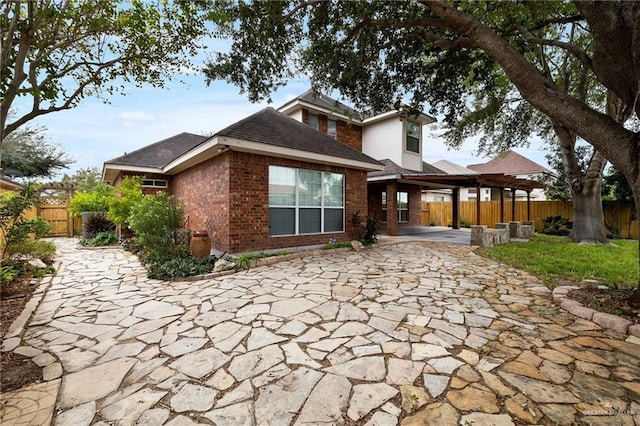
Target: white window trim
297,207
154,183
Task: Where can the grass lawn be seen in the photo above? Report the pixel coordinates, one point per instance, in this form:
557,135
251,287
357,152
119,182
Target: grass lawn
556,260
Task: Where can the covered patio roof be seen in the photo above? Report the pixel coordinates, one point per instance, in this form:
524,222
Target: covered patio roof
487,180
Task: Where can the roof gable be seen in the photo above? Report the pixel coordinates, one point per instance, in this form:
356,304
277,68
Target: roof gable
271,127
161,153
510,163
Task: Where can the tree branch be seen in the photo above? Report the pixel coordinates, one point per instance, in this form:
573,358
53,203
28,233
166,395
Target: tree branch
574,50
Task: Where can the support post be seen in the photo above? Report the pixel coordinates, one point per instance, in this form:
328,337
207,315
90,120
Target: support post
501,205
528,206
513,204
392,208
478,214
455,209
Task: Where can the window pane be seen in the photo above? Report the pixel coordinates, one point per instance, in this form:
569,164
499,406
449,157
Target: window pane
333,220
309,221
333,189
384,199
313,121
282,221
403,200
332,129
413,136
282,186
310,188
403,215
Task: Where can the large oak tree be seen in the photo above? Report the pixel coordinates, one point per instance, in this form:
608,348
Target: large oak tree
54,53
376,52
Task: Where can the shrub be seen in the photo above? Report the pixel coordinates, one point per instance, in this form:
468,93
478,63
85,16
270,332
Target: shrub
94,223
101,239
178,267
155,220
129,194
556,225
371,232
96,200
16,228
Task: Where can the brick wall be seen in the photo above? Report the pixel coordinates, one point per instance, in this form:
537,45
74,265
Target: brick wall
348,133
204,189
233,190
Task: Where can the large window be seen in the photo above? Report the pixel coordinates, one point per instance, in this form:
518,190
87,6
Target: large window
305,201
412,136
402,203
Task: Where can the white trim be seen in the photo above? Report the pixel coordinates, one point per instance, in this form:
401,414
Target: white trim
299,104
268,150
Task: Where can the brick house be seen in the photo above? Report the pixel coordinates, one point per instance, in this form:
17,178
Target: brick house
392,137
265,182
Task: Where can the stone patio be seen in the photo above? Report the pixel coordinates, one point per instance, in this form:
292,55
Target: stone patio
414,333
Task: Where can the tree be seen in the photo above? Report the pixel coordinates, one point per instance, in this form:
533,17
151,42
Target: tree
27,153
86,179
377,51
58,52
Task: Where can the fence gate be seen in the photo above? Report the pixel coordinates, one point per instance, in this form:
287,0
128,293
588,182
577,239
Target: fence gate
54,208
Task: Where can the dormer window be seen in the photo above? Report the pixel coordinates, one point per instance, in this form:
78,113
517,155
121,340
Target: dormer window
332,129
313,121
412,136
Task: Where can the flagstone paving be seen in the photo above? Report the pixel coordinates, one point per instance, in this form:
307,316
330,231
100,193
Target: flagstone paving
415,333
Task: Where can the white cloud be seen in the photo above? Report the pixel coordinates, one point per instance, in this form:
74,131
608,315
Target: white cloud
136,116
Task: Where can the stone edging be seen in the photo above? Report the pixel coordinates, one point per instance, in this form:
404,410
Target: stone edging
610,321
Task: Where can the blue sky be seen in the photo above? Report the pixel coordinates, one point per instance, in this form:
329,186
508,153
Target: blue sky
95,132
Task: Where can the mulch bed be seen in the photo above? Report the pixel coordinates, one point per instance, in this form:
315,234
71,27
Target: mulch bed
610,301
17,370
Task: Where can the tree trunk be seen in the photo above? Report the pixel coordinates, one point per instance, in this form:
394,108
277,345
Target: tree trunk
588,218
634,299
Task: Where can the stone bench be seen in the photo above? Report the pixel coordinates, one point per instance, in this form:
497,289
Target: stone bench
488,237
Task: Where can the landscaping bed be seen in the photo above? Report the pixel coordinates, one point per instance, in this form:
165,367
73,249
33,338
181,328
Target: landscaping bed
611,301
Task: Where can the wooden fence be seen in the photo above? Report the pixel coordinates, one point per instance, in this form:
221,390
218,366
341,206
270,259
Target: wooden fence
617,214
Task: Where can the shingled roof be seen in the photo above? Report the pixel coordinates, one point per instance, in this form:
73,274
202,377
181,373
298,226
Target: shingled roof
511,164
325,102
271,127
160,153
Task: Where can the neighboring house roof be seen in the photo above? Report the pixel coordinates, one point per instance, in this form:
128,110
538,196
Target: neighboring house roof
7,184
453,168
160,153
267,132
431,169
510,163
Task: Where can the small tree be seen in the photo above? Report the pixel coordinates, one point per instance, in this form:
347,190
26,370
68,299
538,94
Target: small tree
128,194
15,226
95,200
154,219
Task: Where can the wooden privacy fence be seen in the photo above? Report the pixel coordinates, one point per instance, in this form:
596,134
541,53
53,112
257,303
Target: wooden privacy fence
617,215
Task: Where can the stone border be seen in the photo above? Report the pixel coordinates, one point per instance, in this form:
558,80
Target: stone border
604,320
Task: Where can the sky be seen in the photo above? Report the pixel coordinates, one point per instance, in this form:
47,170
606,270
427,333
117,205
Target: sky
95,132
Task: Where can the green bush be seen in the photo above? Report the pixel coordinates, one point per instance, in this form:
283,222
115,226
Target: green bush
155,220
556,225
39,249
101,239
129,194
179,267
16,228
96,200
